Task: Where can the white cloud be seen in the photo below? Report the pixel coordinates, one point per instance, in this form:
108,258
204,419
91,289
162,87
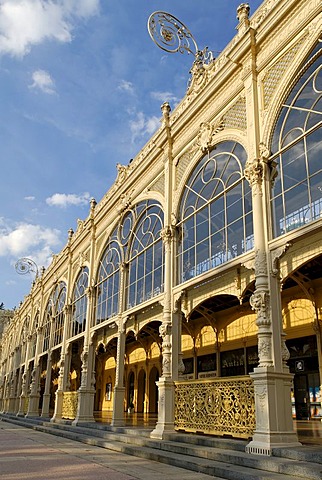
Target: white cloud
28,240
43,81
24,23
165,97
126,87
63,200
30,198
143,125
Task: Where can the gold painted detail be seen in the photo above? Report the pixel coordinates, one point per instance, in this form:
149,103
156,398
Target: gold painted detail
70,403
223,406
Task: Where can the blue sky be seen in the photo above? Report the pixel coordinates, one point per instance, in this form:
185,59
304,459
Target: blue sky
81,85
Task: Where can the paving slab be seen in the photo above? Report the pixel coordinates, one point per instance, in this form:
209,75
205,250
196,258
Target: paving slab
26,454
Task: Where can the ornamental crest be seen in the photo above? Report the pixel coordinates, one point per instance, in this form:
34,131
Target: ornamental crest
206,133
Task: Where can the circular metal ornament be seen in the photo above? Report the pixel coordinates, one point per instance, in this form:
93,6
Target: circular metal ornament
26,265
170,34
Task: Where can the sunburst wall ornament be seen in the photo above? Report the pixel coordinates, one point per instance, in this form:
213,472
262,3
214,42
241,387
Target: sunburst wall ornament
172,36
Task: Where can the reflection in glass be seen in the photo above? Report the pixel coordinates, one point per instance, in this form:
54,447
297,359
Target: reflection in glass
213,212
296,197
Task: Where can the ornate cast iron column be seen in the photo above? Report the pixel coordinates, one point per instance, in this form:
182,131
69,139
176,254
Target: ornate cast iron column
119,389
272,381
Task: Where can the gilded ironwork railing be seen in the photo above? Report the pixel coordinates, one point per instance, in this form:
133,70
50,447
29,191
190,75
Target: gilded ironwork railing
70,403
221,406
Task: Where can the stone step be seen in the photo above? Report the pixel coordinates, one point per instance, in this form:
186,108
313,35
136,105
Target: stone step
217,457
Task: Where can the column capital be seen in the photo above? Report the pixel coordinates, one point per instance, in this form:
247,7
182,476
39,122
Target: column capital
254,174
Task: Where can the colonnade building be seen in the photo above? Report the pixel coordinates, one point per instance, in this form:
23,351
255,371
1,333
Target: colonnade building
193,289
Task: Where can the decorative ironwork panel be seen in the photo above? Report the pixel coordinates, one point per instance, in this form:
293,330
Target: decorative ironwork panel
224,406
70,404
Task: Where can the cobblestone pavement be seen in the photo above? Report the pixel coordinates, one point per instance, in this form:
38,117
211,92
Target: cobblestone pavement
26,454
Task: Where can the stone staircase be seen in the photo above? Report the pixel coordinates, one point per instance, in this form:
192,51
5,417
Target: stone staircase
219,457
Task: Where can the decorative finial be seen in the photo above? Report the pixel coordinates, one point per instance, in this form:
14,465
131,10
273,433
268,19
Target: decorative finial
93,203
70,233
166,109
243,13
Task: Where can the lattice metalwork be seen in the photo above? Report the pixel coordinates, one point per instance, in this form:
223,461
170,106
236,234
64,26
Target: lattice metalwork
70,404
236,115
224,406
276,72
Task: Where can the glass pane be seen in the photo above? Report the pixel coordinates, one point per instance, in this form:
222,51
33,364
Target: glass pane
297,207
189,232
247,198
278,213
314,147
249,241
218,248
217,215
316,194
234,204
235,238
188,263
294,166
202,227
202,257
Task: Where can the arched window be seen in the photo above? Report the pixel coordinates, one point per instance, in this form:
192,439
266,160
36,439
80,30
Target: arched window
108,281
296,148
142,227
59,299
79,303
54,316
215,214
135,241
47,325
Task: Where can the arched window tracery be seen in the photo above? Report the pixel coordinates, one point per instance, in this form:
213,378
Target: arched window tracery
108,281
215,212
79,303
296,145
54,316
137,244
59,299
145,253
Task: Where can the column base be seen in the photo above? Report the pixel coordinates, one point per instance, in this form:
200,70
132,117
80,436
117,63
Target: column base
58,407
33,407
264,444
165,422
274,423
85,407
118,407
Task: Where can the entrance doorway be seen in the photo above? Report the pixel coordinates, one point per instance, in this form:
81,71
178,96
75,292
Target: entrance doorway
153,390
306,401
